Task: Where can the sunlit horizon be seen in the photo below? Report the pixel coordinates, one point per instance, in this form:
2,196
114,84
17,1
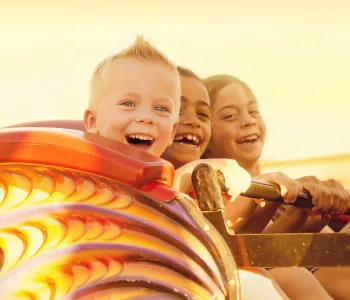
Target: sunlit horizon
294,56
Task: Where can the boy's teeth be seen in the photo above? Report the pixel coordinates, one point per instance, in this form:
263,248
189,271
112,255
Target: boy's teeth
141,137
188,137
189,145
192,138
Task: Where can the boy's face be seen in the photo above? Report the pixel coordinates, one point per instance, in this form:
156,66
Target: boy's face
137,105
238,130
193,132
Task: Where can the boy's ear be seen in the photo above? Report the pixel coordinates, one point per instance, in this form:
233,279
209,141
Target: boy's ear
173,134
90,122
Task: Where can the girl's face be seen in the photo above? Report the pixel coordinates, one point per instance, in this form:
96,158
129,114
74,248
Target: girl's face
193,131
238,130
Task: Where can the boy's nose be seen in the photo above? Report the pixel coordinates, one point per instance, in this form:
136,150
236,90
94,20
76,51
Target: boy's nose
191,122
146,120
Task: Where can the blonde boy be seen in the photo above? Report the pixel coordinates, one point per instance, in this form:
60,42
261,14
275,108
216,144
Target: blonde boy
135,98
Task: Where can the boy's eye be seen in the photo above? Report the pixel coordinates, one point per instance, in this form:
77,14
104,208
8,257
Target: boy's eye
128,104
204,115
230,117
162,108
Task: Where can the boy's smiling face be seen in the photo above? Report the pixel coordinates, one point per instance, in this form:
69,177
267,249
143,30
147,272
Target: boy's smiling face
137,105
193,132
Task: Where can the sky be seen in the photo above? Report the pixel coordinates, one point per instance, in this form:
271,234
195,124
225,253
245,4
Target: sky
294,56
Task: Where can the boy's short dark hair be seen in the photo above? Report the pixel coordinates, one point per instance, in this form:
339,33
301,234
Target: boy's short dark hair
185,72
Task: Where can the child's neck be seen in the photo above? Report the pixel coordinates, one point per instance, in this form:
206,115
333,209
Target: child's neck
253,168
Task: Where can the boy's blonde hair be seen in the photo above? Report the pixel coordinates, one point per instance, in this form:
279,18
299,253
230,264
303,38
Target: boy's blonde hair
142,50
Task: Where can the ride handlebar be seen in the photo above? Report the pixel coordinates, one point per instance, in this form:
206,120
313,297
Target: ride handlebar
260,189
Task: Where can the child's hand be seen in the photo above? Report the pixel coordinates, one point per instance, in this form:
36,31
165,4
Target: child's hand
328,197
290,189
341,203
237,179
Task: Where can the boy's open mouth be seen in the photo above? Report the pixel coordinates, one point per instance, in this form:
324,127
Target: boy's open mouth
142,141
249,139
190,140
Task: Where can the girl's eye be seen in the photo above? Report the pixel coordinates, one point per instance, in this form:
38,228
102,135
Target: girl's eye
128,104
254,112
162,108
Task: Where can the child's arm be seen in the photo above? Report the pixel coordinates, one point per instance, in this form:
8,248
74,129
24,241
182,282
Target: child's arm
327,195
262,215
291,220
